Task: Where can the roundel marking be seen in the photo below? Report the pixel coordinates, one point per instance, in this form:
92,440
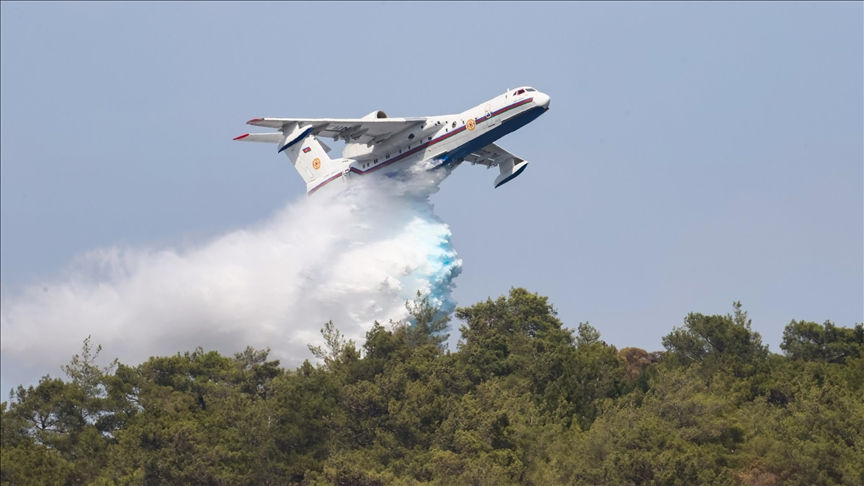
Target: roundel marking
470,124
316,164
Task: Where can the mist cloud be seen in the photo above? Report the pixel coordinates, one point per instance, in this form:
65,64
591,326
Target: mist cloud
355,257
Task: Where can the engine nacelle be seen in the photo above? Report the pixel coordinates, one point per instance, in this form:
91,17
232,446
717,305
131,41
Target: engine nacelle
375,115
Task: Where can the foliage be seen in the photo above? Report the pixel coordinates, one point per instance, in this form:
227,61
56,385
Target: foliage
718,343
827,343
523,400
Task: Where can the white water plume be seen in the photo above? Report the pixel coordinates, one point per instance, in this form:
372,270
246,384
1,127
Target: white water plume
355,257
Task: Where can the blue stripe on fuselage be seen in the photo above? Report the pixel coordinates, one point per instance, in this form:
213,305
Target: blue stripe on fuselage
455,132
506,127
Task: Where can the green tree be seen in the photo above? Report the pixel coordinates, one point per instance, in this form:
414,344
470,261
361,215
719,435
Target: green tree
596,374
426,325
22,460
482,440
517,334
198,418
523,401
335,346
67,427
814,435
718,342
827,343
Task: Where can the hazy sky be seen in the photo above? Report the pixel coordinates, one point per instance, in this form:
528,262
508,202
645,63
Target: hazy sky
695,153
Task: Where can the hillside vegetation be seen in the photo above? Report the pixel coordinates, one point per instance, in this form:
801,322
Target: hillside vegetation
521,401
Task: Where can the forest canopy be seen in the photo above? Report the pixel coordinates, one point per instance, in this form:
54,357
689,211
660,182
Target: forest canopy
522,400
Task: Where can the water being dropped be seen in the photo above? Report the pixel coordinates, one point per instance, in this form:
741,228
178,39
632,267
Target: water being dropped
354,257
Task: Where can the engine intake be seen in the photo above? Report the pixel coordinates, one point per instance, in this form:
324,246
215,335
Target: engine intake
375,115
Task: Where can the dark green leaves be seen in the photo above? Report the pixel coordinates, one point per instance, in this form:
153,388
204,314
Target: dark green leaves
826,343
523,401
718,342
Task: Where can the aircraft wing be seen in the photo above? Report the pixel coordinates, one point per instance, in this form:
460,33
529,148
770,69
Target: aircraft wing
492,155
352,130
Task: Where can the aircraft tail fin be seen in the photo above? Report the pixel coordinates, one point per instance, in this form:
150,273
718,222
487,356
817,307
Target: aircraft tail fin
305,151
310,159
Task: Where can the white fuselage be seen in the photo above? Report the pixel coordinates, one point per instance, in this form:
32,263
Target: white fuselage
442,139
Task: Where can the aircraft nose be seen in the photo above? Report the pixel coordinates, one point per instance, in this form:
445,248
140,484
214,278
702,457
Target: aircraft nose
541,99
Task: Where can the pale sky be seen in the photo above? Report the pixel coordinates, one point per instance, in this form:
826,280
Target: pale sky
695,154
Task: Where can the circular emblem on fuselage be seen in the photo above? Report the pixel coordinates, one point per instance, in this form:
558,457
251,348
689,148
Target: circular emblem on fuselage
470,124
316,164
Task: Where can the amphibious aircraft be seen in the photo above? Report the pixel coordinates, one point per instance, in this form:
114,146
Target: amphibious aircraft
379,144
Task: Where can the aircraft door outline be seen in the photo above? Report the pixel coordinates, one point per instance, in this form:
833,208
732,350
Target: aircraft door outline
492,121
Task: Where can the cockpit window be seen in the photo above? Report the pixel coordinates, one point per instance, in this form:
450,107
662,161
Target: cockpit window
519,92
530,89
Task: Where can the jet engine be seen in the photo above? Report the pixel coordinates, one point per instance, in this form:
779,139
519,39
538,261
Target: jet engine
375,115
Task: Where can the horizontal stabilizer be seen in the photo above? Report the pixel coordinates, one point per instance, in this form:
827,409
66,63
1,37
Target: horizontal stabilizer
275,137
